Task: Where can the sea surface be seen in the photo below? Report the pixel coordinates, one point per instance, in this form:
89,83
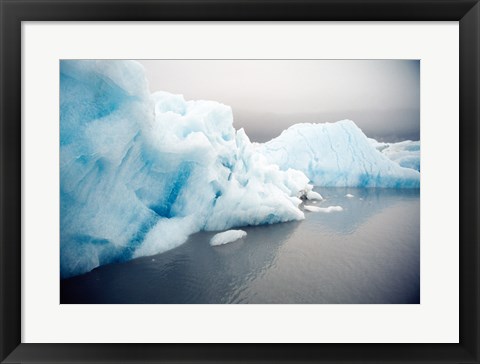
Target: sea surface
367,253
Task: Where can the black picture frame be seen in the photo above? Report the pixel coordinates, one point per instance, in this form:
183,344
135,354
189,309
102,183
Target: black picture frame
13,12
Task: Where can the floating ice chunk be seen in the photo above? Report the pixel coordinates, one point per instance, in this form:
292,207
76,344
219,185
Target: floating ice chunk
307,193
349,195
227,237
323,209
312,195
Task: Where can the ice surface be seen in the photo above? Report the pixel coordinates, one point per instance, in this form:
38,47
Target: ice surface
227,237
406,153
140,172
323,209
336,154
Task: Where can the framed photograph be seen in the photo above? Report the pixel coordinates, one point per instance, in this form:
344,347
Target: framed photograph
203,181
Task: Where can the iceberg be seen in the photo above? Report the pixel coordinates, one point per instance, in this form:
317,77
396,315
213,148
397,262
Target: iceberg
226,237
140,172
336,155
405,153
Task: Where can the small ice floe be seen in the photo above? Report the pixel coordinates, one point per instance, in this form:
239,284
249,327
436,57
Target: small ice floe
227,237
312,195
309,194
349,195
323,209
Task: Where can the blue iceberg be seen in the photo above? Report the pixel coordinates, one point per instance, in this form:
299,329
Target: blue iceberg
337,155
140,172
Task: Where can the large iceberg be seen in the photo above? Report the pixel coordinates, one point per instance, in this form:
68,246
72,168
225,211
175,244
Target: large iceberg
336,154
140,172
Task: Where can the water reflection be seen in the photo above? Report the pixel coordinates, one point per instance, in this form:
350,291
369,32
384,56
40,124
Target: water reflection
368,253
365,203
192,273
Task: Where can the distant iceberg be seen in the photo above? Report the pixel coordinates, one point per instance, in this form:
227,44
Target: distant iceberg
405,153
336,154
140,172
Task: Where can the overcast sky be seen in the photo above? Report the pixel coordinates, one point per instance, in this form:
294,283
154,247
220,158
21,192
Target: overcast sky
381,96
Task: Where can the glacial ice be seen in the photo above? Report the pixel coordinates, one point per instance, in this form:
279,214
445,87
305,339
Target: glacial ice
405,153
140,172
226,237
336,154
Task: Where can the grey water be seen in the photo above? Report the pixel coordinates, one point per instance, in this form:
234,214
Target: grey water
367,253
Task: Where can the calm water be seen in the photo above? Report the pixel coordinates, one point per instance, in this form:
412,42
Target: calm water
368,253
